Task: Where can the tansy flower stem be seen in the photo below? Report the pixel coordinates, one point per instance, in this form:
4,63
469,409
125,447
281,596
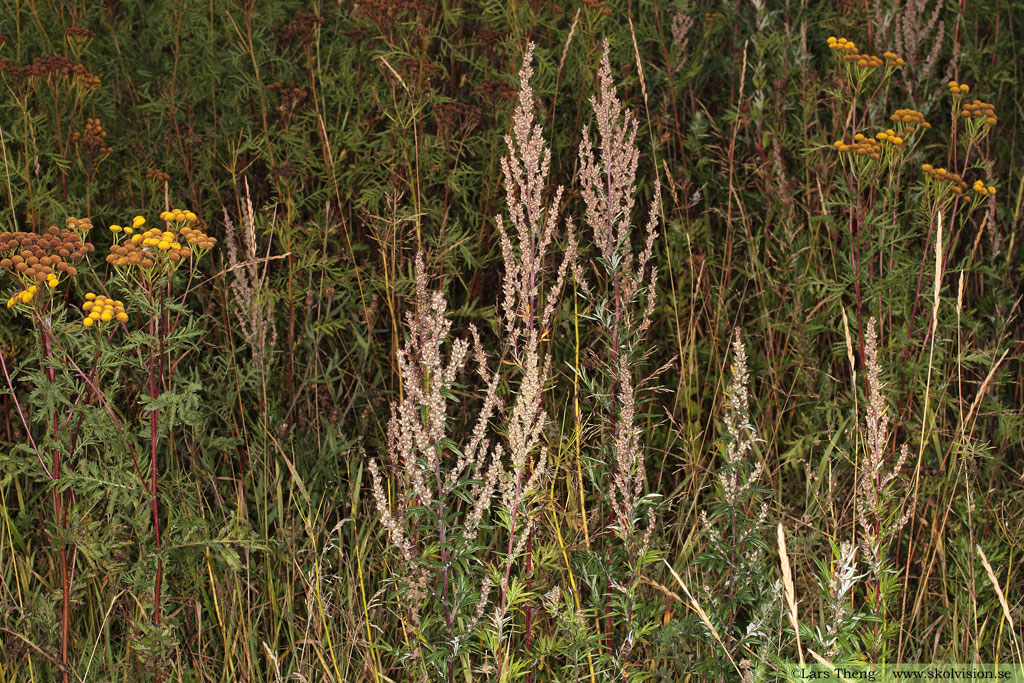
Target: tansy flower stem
60,503
155,374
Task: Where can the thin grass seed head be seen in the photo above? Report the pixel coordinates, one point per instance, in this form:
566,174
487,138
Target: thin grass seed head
254,307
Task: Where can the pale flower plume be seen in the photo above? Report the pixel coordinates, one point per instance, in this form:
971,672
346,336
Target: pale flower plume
418,437
526,240
609,189
878,507
608,180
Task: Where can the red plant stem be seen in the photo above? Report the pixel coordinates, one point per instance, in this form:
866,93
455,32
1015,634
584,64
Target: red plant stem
156,519
60,512
155,373
528,609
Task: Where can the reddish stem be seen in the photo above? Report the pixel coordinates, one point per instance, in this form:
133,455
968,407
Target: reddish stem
60,512
155,377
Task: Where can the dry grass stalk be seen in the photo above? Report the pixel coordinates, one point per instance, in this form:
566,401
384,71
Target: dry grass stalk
787,582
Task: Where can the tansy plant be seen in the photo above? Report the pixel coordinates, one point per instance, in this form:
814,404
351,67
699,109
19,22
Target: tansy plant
38,263
876,164
70,423
146,261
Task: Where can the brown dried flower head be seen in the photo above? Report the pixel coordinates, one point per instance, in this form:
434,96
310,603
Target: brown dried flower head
57,71
157,175
599,5
909,120
288,95
94,138
300,30
980,110
79,35
35,258
941,175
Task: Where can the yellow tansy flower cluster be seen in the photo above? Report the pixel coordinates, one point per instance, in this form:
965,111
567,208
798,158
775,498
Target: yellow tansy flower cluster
861,65
841,45
102,309
957,184
890,137
178,216
23,297
161,240
147,249
958,89
192,230
980,110
143,247
862,146
909,120
137,222
892,60
984,190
